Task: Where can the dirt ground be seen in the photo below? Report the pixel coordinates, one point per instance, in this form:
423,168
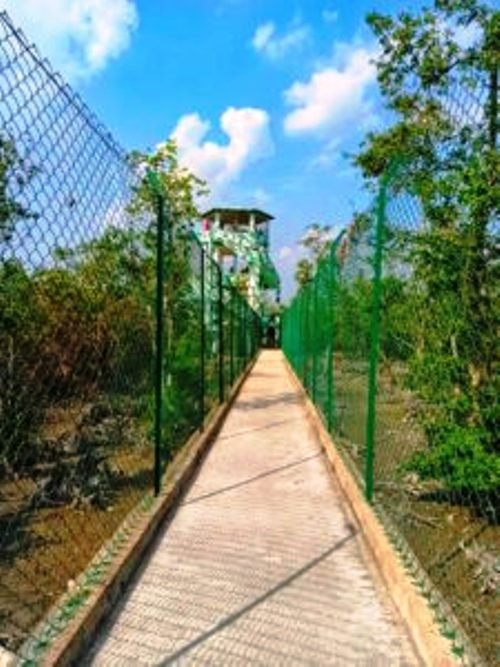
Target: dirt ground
45,548
457,545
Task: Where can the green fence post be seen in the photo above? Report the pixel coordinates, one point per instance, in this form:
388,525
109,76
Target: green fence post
375,338
245,322
257,333
493,107
241,328
160,331
333,287
331,309
231,336
202,340
301,336
221,333
315,341
308,340
304,337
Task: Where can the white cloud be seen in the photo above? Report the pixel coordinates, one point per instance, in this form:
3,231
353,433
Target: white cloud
330,15
79,37
286,258
275,47
261,197
284,252
249,139
329,155
334,96
263,35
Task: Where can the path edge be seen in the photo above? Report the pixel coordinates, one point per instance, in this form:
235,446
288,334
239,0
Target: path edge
69,646
432,647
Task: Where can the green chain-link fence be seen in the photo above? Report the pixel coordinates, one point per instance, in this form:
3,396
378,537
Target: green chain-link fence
399,354
85,301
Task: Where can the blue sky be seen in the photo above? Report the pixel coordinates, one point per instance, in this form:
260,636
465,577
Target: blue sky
264,98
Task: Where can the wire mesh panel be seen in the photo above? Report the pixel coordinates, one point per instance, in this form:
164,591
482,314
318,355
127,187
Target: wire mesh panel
235,336
437,461
437,454
227,336
352,329
236,358
240,354
183,335
326,336
410,323
212,328
241,335
80,297
75,338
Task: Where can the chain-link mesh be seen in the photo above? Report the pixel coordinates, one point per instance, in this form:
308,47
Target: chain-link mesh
78,277
399,354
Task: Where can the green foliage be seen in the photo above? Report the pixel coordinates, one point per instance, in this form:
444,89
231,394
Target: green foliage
15,169
166,183
303,272
461,456
442,318
19,314
164,175
397,330
84,326
352,318
20,324
118,272
316,241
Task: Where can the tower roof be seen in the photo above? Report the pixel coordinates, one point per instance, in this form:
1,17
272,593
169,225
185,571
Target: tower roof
237,216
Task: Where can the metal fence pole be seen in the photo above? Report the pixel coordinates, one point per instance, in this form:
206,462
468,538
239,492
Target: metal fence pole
221,333
303,326
308,339
331,332
493,107
241,328
375,338
202,340
160,331
315,342
333,293
231,336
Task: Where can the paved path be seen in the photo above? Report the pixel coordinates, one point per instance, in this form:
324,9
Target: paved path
261,565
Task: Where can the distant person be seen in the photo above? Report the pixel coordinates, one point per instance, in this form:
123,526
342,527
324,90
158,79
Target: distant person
271,335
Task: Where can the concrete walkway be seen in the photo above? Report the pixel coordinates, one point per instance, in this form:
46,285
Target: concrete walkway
260,565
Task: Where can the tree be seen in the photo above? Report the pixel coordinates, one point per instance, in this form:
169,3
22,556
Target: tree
303,272
177,184
13,168
163,178
82,329
19,317
316,240
450,163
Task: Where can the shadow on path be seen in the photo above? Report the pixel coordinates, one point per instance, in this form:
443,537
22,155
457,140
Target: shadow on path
259,428
244,482
265,402
232,618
